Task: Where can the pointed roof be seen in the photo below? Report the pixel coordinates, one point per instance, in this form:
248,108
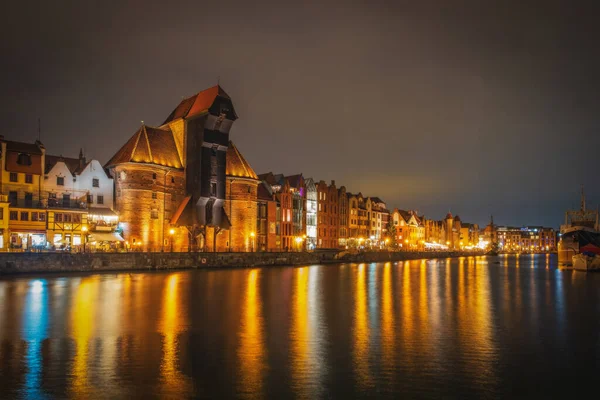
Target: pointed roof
197,104
72,164
149,145
237,165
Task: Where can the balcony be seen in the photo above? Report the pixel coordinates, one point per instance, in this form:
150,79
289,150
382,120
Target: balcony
63,203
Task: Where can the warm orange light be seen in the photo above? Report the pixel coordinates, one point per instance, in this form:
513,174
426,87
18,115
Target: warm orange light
252,234
171,231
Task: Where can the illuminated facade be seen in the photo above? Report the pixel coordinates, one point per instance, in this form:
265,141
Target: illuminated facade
311,214
267,224
409,229
240,204
327,216
79,197
149,184
343,213
526,239
21,181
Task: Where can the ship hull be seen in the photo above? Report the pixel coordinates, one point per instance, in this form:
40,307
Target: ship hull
577,241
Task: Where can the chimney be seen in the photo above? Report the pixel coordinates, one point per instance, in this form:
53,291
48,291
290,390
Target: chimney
81,159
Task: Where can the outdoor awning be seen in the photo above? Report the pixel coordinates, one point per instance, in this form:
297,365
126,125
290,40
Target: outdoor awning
105,237
102,212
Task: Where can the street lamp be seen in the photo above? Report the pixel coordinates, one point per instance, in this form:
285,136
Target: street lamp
298,241
171,232
252,234
84,230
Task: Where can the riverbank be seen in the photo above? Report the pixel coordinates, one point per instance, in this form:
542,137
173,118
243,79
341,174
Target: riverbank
27,263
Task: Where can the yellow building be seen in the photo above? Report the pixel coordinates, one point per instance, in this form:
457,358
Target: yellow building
67,228
22,168
4,222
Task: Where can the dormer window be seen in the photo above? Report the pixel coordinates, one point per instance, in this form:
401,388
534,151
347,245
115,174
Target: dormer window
24,159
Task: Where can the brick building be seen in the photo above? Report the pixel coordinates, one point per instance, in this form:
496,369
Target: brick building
149,184
327,216
240,204
172,184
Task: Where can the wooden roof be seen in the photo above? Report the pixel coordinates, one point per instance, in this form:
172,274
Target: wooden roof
149,146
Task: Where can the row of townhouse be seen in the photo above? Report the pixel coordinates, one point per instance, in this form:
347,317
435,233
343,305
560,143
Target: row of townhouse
53,202
304,214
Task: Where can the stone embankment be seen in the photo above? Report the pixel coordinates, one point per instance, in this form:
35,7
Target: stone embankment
17,263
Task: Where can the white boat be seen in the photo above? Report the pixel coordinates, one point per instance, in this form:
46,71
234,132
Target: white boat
586,263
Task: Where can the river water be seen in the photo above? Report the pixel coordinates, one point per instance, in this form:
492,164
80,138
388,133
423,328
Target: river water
469,327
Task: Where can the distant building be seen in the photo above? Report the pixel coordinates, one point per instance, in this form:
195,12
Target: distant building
526,239
409,229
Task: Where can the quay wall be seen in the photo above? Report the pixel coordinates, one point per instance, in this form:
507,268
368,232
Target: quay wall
26,263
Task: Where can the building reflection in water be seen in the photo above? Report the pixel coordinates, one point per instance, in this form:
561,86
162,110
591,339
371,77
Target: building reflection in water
251,350
361,328
388,328
35,325
172,323
307,333
83,316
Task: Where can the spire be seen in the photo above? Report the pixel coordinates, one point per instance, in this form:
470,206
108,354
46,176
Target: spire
582,199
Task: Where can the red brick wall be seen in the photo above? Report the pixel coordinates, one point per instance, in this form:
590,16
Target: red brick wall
138,194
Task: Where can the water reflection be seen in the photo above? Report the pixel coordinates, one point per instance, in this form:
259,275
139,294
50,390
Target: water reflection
173,321
251,351
83,317
361,328
454,327
35,325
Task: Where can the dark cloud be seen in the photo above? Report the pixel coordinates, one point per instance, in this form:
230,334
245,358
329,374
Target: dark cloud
470,106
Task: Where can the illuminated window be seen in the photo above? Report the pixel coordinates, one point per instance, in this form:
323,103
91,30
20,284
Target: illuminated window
14,177
154,195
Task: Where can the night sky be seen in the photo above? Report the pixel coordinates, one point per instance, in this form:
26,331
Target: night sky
436,106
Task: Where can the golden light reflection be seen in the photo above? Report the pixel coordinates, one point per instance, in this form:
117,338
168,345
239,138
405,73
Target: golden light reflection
361,327
387,317
171,324
300,333
252,351
82,325
408,330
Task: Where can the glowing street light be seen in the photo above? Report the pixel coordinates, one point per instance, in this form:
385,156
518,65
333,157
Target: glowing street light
171,232
252,234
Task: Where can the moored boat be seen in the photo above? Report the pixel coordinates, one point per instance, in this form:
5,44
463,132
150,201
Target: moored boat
586,262
579,234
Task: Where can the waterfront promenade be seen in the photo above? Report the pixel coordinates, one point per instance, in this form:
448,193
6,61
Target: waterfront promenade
24,263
